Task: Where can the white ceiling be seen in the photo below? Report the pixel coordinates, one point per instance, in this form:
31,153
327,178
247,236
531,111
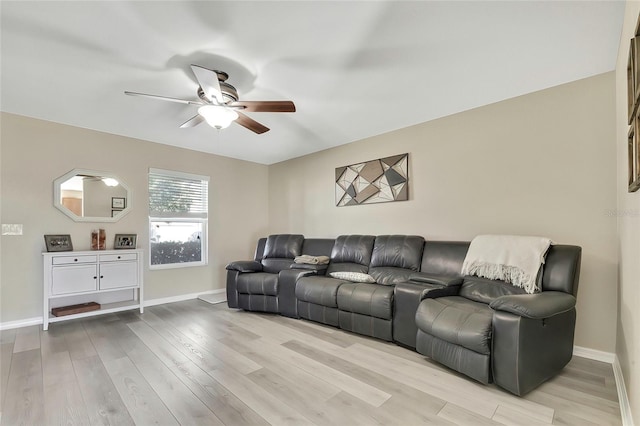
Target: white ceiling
354,69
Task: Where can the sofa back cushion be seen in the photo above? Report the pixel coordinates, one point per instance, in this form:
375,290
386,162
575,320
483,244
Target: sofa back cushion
280,250
351,253
318,246
398,251
561,271
390,275
395,258
444,258
283,246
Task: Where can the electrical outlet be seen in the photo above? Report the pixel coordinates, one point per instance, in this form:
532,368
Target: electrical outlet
11,229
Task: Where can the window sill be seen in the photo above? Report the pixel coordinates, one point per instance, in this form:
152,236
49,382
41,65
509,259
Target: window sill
176,265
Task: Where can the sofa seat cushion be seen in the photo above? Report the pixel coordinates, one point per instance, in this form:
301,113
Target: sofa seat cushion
258,283
373,300
484,290
321,291
457,320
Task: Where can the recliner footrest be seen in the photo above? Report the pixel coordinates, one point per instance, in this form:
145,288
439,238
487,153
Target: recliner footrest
457,320
365,324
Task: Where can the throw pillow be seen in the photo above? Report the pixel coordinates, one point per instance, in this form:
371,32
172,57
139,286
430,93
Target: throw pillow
356,277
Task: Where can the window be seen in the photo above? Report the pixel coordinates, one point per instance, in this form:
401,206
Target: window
178,217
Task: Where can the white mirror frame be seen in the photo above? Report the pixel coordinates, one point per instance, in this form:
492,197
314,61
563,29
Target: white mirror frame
58,204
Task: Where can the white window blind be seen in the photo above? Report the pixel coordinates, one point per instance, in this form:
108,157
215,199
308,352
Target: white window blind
178,207
177,195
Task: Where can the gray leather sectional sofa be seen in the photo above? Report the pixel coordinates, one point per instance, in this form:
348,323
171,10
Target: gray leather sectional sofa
486,329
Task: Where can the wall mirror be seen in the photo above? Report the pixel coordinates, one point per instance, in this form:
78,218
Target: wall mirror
92,196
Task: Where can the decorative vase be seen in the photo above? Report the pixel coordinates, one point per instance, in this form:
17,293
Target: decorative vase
94,240
102,240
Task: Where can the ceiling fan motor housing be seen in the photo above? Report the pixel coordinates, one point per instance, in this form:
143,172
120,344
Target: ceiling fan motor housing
229,93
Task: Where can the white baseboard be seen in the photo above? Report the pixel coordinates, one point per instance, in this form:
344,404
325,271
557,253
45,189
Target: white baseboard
623,398
7,325
594,354
611,358
180,298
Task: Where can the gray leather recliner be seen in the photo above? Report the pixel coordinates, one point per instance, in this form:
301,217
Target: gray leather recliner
440,267
287,280
486,329
253,285
318,295
493,331
367,308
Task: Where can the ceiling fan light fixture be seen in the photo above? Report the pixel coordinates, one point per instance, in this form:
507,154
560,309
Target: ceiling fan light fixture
217,116
110,181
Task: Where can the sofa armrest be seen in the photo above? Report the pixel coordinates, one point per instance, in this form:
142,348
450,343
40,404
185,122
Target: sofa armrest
245,266
406,299
528,351
422,277
319,269
535,306
287,280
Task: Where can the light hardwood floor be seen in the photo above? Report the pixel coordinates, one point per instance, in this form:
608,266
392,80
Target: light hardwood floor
194,363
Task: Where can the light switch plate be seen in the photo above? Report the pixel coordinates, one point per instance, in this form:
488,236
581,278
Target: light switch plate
11,229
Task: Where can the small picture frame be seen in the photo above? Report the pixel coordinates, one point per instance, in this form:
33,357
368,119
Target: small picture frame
58,242
114,213
125,241
118,202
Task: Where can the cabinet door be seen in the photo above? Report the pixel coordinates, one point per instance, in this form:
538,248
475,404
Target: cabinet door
118,274
74,279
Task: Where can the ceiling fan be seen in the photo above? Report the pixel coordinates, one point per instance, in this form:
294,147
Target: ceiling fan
219,105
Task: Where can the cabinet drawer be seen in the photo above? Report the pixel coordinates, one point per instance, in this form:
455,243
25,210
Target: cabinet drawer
118,257
73,279
69,260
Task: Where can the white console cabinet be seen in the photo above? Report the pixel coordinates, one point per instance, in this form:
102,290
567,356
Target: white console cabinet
112,278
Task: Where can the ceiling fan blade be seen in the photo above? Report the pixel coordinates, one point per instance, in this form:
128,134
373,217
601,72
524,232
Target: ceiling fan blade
265,106
163,98
251,124
192,122
208,81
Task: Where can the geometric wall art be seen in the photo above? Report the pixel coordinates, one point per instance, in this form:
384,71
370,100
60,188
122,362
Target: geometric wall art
377,181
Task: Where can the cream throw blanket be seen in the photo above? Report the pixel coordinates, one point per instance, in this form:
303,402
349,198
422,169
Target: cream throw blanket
312,260
513,259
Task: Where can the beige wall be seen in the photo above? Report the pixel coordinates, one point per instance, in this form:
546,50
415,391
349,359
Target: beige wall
540,164
35,152
628,336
